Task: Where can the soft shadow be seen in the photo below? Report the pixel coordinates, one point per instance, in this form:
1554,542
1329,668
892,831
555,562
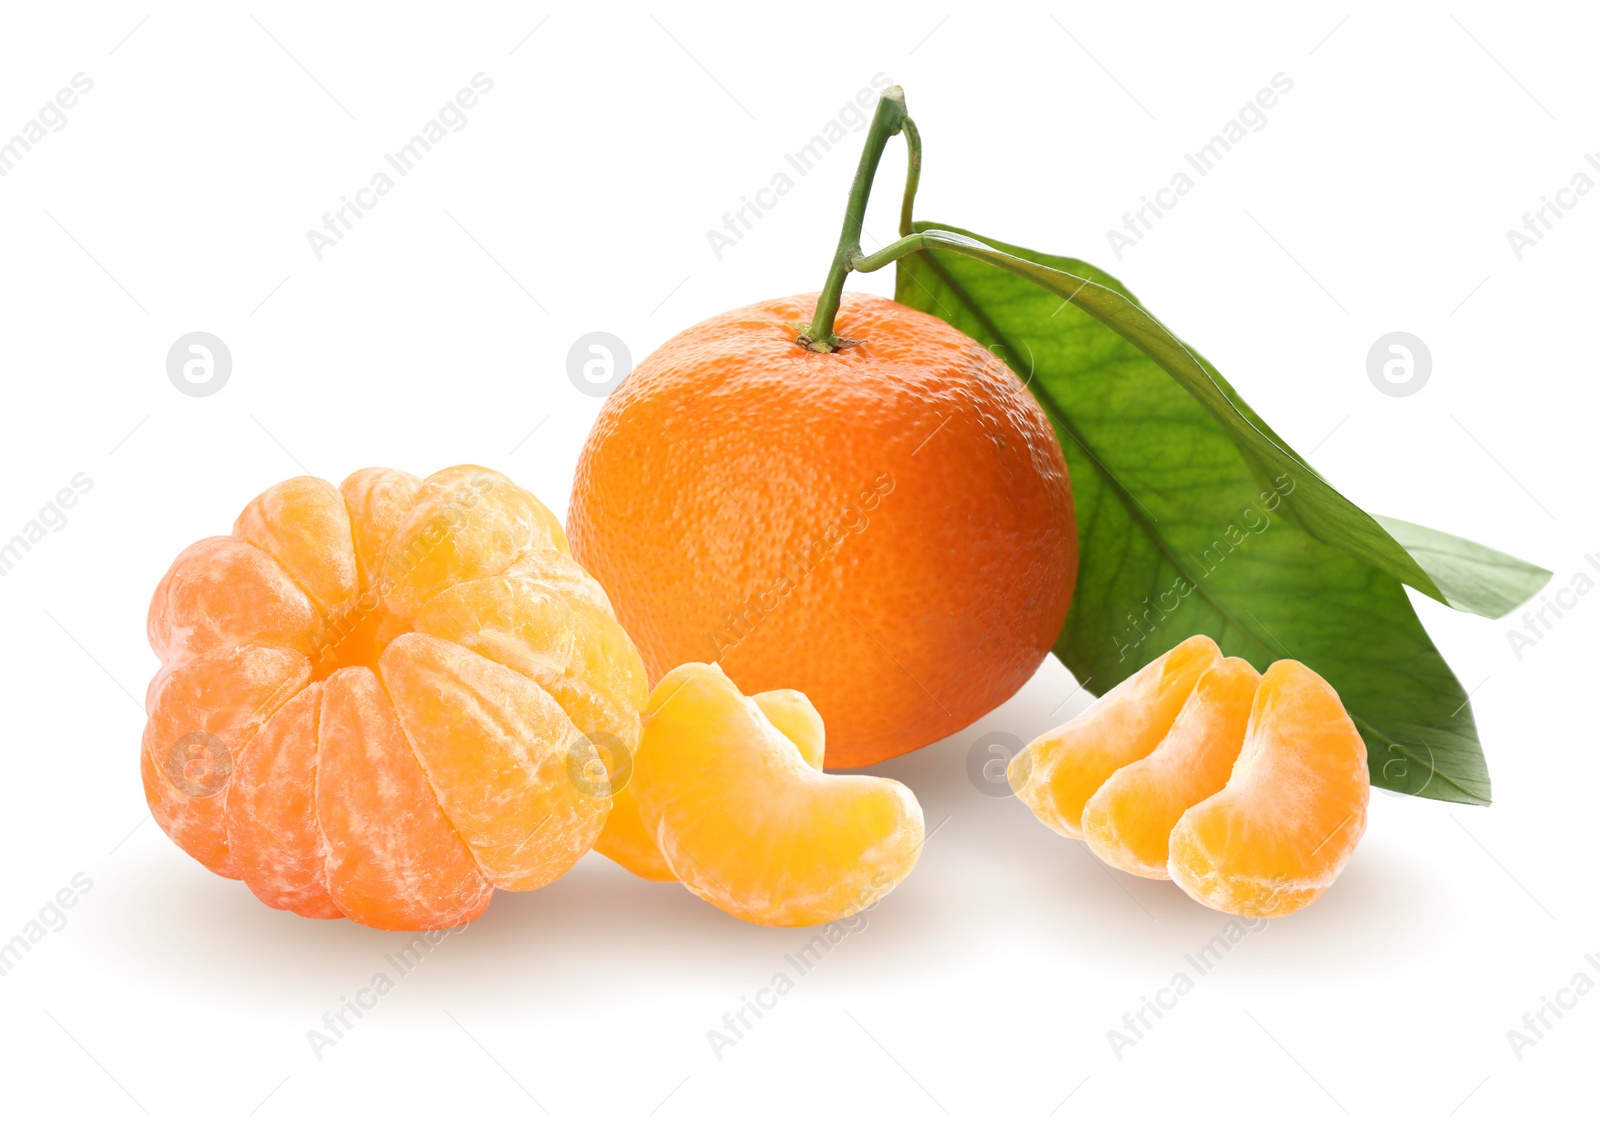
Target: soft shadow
991,879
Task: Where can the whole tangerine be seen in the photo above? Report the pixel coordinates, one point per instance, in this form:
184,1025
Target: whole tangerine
887,528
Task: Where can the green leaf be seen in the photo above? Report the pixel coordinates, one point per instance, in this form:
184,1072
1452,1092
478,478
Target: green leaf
1477,577
1194,517
1471,584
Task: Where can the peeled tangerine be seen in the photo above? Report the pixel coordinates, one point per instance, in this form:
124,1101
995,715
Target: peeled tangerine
731,789
384,700
1249,791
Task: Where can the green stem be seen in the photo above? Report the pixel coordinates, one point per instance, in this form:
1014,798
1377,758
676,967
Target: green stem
889,120
884,256
913,174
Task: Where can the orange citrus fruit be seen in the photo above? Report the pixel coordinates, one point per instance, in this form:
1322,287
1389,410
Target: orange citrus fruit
386,699
1278,834
733,792
887,528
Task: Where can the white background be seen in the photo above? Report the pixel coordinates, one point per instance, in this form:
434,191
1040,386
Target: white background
578,198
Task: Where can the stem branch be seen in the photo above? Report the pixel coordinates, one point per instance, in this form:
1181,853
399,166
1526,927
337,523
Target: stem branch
913,174
889,120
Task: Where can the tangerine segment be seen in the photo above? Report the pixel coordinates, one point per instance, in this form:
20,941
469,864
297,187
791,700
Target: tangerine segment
302,523
1057,773
1129,819
1295,806
792,713
506,764
203,712
625,838
563,637
378,499
223,590
392,858
271,819
749,825
465,523
570,647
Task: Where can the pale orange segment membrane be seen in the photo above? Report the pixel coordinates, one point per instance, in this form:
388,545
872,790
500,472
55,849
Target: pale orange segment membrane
625,838
224,590
557,634
466,523
204,712
505,762
1129,819
1295,805
273,836
393,860
303,524
562,642
794,716
378,500
1057,773
749,824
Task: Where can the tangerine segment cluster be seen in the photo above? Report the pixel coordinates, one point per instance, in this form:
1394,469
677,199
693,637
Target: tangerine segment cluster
379,700
732,790
1249,791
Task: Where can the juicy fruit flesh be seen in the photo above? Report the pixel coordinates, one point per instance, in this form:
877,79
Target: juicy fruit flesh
372,696
494,745
1129,820
540,626
1249,791
273,836
750,823
1057,773
389,853
820,522
1295,806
